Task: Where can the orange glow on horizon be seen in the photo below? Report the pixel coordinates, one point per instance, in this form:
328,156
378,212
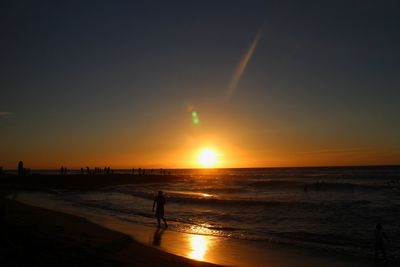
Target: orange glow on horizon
181,146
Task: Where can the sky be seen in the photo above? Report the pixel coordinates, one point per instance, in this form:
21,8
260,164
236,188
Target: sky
272,83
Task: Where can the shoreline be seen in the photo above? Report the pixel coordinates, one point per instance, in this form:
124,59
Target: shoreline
34,236
46,182
218,250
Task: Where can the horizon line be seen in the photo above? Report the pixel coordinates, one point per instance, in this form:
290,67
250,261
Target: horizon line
226,168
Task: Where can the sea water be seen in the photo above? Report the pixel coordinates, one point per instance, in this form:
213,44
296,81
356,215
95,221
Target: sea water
334,209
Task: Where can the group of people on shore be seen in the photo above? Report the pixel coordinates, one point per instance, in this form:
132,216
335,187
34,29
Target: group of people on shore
107,170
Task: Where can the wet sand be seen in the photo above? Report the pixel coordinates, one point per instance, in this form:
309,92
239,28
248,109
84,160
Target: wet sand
32,236
52,234
218,250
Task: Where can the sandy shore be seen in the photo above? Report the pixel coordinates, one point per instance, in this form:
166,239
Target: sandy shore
213,249
39,237
56,235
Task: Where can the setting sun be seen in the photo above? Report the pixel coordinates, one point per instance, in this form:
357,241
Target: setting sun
208,157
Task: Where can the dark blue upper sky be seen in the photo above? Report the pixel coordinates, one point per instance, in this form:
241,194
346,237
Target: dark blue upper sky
85,74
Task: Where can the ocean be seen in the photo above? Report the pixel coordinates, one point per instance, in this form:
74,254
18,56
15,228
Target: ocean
333,209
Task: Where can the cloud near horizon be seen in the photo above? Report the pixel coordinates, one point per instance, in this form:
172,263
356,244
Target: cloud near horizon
6,114
336,150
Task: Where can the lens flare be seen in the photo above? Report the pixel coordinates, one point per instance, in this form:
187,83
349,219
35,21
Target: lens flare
242,66
195,118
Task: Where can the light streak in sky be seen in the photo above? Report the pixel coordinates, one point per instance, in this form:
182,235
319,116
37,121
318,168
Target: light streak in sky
242,66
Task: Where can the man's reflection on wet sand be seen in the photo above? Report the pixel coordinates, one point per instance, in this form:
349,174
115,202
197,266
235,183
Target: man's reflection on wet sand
157,237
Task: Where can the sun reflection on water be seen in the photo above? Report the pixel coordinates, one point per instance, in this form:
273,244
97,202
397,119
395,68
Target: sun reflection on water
199,245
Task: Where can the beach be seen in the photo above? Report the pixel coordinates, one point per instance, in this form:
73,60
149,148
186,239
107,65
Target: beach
200,133
34,236
41,237
74,231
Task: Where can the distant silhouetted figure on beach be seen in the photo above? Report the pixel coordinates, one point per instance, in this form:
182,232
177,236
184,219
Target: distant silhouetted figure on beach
20,168
159,202
380,240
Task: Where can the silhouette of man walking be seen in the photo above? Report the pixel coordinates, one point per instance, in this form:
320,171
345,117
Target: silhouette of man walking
159,202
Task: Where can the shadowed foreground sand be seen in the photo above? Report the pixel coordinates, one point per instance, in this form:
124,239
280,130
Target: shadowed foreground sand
33,236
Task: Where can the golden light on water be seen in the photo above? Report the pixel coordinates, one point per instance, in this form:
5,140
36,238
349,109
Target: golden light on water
198,247
208,157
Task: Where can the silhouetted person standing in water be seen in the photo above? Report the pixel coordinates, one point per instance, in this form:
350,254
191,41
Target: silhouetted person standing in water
380,239
159,200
